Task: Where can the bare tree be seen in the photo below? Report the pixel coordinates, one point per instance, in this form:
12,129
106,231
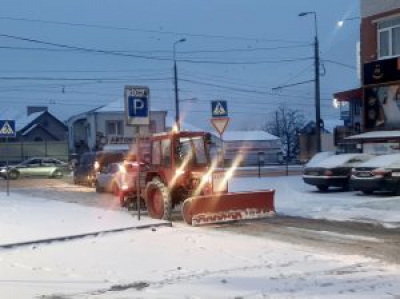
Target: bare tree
285,123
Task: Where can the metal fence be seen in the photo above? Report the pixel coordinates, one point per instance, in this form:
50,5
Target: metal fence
19,151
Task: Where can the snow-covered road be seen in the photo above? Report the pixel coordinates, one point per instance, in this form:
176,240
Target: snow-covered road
186,262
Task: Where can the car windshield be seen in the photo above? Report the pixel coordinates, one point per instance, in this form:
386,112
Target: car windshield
192,150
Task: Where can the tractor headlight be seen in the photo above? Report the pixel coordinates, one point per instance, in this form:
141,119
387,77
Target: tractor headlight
179,172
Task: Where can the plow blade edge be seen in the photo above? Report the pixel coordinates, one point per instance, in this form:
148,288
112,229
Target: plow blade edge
228,207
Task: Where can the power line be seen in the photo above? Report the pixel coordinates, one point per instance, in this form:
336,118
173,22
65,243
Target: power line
340,64
115,53
148,30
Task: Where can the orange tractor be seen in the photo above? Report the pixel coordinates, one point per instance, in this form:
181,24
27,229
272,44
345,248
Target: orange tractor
181,172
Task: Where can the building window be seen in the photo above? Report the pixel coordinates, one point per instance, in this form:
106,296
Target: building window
389,38
114,128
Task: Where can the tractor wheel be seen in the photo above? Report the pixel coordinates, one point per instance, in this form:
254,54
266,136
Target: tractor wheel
159,204
13,175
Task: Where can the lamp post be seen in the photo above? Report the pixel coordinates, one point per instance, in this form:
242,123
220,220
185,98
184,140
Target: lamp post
317,81
177,117
342,22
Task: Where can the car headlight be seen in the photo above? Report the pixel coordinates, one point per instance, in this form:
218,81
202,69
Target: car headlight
3,170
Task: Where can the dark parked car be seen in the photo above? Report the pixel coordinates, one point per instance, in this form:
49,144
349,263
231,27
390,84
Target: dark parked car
381,173
47,167
92,163
334,171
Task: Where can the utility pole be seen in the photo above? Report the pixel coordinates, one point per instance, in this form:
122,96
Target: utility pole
317,82
177,115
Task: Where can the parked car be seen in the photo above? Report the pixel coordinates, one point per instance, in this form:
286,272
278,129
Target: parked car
119,179
92,163
48,167
333,171
381,173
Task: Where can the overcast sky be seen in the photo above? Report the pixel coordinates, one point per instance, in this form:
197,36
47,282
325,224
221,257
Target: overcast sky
235,50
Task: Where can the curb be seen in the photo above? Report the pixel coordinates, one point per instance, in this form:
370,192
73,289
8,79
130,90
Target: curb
80,236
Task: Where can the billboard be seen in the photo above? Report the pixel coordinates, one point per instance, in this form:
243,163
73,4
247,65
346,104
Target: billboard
382,107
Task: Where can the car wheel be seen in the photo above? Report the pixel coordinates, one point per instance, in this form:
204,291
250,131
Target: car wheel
98,188
347,187
367,192
322,188
13,175
115,189
57,174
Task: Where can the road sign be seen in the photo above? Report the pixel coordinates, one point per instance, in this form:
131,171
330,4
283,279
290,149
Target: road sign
137,105
219,108
220,124
7,129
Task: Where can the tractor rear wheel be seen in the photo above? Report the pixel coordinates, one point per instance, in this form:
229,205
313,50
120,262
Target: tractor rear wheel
159,204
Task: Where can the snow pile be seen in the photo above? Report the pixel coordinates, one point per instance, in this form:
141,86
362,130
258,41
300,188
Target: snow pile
294,198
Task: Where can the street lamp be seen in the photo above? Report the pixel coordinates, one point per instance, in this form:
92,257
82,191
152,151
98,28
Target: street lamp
317,81
340,23
177,117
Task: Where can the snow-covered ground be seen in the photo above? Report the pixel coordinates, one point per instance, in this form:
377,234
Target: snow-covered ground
186,262
294,198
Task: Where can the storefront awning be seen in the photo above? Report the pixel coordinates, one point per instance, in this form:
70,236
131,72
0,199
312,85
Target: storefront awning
376,136
348,95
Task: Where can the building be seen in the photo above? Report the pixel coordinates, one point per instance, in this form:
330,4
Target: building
39,133
377,128
105,127
251,147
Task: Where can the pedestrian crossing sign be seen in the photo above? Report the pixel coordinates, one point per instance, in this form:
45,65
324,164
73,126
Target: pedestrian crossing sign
219,109
7,128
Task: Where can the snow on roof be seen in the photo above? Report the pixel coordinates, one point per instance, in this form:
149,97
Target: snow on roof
375,135
25,120
170,122
382,161
115,106
248,136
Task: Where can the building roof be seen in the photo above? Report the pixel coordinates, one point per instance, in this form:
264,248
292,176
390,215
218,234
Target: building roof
376,135
348,95
25,120
248,136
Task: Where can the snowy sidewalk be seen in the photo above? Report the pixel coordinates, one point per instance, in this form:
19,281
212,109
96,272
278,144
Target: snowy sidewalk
24,219
294,198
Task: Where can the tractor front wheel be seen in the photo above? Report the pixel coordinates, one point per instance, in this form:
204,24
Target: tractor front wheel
159,204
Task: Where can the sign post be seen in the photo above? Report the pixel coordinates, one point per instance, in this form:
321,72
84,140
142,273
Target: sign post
137,114
220,120
7,130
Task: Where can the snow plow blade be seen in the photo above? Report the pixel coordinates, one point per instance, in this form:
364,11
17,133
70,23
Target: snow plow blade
226,207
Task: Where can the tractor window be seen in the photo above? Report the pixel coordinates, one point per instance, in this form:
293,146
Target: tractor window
156,153
193,150
166,152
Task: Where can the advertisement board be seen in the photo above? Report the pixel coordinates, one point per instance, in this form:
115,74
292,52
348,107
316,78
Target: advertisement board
382,107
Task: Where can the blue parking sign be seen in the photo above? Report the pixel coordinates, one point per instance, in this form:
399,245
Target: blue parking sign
7,129
219,109
137,105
